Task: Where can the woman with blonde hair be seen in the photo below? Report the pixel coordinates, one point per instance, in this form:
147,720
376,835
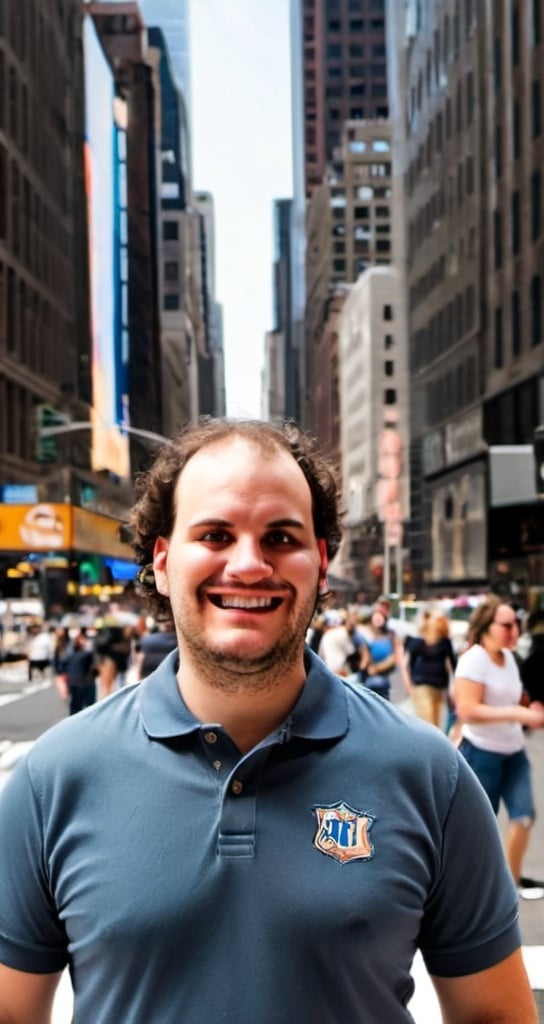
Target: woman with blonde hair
488,691
430,662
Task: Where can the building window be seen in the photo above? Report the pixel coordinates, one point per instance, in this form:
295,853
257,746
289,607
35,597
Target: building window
536,108
498,343
497,63
497,238
515,36
170,230
536,310
390,396
388,341
470,97
171,271
171,301
516,222
389,368
516,324
498,152
516,131
535,205
469,174
537,22
388,312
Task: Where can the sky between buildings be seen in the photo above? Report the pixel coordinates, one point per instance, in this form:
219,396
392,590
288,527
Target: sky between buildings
241,144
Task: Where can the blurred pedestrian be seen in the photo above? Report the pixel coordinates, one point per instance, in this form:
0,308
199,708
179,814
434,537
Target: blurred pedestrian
430,661
154,645
378,653
112,651
340,644
532,667
78,671
41,650
242,783
488,692
62,643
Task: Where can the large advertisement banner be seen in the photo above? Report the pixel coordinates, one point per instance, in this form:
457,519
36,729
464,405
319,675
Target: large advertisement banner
110,449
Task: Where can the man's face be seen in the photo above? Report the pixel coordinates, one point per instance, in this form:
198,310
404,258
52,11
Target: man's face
242,564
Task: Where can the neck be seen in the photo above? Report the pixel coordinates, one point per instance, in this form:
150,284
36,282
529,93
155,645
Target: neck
495,653
248,706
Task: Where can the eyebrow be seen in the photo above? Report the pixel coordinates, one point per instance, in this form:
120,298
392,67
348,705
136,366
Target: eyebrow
275,524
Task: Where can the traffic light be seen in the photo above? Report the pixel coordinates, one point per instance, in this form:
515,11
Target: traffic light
46,447
538,448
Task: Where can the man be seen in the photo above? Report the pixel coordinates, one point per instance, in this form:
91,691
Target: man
340,646
153,646
242,836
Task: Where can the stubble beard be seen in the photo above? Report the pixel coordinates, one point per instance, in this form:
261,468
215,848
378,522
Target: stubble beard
232,672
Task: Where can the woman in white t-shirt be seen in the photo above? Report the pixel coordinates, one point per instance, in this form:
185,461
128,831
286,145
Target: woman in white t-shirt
488,692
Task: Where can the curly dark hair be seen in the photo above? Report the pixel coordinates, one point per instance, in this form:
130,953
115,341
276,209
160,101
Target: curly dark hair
153,513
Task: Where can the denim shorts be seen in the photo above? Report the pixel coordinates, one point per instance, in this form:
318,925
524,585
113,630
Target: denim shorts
503,776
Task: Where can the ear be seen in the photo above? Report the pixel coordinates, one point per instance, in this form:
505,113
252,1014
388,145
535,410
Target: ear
323,566
160,557
323,557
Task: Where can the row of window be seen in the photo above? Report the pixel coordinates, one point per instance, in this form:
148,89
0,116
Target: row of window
28,122
452,391
515,312
445,328
17,417
335,51
31,231
507,47
31,329
432,278
516,220
440,205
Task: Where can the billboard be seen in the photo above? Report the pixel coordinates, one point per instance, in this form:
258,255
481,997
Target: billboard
109,445
51,527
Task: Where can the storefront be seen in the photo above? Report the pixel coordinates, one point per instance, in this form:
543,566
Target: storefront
61,553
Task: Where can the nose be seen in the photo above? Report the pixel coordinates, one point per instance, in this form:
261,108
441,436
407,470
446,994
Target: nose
247,562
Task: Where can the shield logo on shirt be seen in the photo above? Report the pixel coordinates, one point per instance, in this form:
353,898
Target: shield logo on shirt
343,833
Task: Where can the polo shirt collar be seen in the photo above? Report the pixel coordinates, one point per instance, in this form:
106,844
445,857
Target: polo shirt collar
320,712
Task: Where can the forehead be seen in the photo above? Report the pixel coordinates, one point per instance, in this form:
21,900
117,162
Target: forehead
236,469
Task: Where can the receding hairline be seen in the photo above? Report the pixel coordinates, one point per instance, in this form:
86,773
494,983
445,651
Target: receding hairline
268,446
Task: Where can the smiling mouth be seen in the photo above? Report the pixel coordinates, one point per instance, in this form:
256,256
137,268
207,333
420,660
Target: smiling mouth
250,604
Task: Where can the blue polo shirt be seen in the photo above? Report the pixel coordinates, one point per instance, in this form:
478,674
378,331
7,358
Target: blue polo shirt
182,881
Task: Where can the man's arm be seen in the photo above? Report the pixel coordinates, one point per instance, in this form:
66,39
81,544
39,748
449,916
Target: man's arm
26,998
498,995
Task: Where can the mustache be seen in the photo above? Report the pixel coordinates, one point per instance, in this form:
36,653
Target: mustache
265,586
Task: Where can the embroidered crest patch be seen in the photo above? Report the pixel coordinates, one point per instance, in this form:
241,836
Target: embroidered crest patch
343,833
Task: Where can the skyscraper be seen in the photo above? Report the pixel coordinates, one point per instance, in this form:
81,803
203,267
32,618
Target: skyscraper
172,16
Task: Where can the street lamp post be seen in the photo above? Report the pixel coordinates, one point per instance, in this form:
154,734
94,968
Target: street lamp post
68,428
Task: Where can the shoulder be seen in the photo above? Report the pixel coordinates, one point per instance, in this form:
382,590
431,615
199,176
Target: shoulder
86,743
473,658
400,743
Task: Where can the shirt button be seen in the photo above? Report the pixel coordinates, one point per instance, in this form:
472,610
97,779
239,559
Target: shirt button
210,737
217,765
237,787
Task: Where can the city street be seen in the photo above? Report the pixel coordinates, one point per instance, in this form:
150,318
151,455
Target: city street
27,709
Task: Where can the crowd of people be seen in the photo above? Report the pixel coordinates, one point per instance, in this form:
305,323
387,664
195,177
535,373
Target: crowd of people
485,700
95,651
276,834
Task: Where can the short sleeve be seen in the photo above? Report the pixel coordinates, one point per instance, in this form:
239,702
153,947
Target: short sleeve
471,917
31,936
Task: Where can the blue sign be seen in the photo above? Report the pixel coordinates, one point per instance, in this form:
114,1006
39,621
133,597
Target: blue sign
19,494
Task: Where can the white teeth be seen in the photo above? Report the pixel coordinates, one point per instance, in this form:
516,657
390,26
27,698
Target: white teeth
246,602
